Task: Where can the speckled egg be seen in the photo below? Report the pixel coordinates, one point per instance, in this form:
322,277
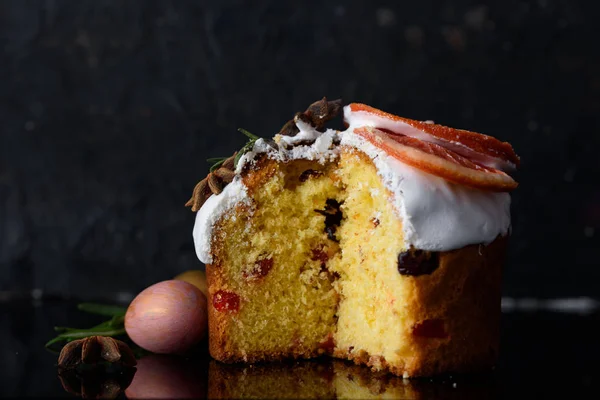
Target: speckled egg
168,317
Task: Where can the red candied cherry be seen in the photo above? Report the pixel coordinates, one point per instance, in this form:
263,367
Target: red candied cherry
328,345
224,301
415,262
259,270
318,254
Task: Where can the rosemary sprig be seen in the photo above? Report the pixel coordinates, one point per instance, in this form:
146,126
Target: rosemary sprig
216,162
247,147
115,326
102,309
222,172
83,333
250,135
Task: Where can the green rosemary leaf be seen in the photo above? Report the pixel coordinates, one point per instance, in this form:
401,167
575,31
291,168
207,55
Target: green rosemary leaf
83,333
247,147
215,159
102,309
218,161
115,326
237,158
55,340
250,135
116,321
217,164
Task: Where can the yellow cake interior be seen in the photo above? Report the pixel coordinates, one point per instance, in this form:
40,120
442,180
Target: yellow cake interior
317,289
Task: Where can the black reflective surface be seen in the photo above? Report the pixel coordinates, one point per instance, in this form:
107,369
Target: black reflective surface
543,355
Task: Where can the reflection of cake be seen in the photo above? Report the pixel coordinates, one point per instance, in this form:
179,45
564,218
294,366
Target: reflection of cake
335,379
382,244
296,380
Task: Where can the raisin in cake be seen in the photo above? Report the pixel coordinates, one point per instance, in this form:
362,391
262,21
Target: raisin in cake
382,244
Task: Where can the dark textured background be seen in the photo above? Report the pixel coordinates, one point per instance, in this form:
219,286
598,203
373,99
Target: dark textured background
108,110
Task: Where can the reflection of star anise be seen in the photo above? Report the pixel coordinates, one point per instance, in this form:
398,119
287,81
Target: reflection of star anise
317,114
212,184
92,349
96,383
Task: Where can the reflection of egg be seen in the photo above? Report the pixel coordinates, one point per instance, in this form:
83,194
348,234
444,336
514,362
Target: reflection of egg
168,377
168,317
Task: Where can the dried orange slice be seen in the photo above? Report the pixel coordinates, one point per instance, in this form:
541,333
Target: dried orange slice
481,149
439,161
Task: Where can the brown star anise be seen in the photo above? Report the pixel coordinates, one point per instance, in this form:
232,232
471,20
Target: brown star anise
212,184
317,114
92,349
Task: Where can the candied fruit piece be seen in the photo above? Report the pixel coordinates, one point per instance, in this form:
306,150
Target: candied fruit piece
430,328
259,270
415,262
224,301
319,254
333,217
309,173
328,344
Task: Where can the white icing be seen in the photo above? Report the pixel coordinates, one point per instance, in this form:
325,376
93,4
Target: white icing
437,215
216,206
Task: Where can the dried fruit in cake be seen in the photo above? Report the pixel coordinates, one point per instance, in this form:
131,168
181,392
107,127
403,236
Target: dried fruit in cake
259,269
225,301
415,262
333,216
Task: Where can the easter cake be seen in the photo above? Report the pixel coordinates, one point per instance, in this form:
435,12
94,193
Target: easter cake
382,243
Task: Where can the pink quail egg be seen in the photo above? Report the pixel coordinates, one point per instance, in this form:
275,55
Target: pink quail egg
168,317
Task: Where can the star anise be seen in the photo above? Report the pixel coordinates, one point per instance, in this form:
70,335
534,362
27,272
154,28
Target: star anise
317,114
92,349
212,184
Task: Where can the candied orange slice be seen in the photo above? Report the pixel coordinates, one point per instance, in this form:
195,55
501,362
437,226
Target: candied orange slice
437,160
482,149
